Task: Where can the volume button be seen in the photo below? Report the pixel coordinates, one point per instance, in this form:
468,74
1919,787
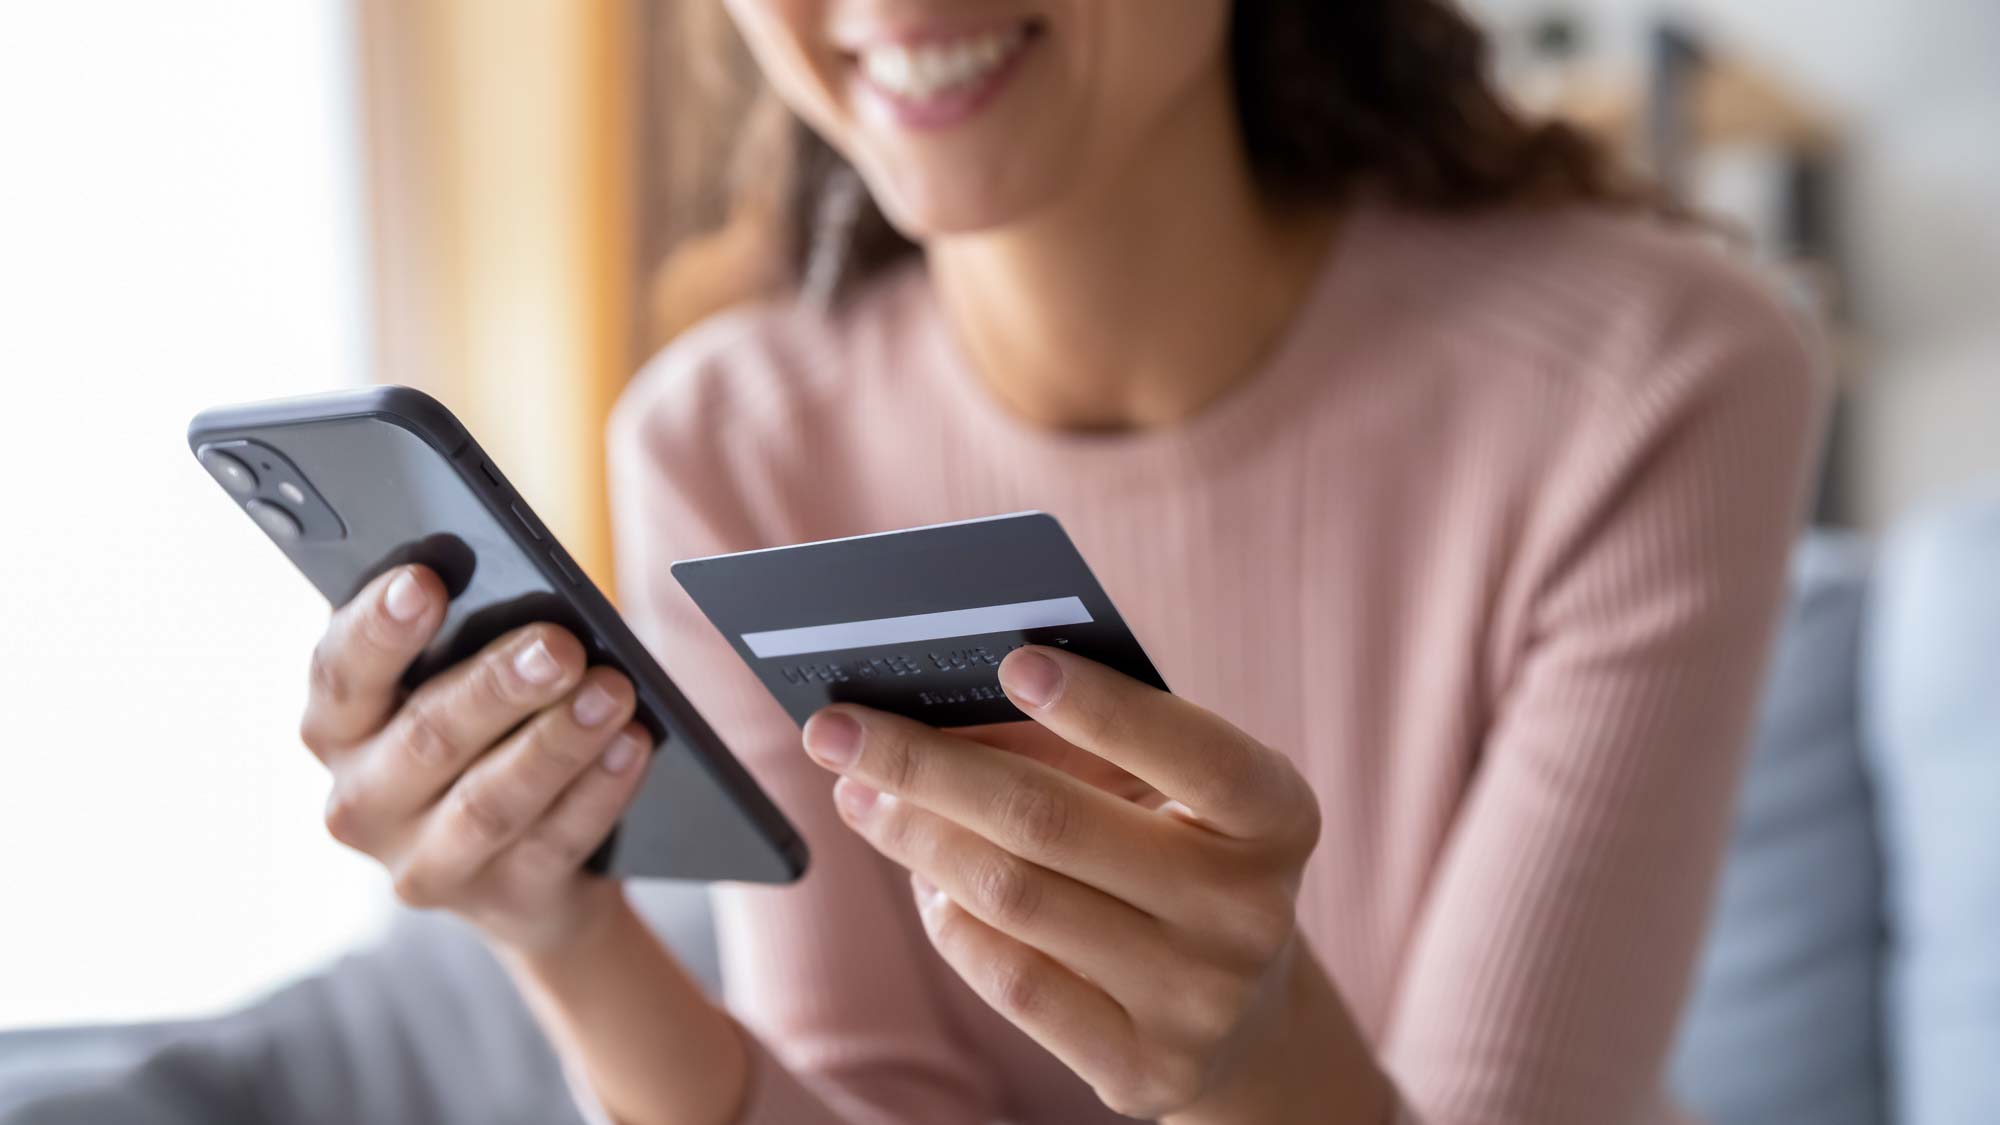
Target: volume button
526,521
563,564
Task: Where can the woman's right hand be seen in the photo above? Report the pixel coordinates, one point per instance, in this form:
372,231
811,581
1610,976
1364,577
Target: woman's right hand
484,790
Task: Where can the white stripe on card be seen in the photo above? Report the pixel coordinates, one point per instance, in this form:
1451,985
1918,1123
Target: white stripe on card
1044,614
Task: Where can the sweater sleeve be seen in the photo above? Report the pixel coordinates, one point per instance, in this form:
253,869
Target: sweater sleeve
832,977
1547,969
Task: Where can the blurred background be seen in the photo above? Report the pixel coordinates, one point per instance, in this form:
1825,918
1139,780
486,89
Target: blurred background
212,201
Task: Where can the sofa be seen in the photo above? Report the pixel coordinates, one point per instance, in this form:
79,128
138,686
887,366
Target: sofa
1851,975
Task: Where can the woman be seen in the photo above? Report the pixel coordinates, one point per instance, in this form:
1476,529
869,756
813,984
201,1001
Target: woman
1448,487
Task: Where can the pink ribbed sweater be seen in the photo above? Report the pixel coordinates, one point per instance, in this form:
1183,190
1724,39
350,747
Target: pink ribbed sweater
1490,548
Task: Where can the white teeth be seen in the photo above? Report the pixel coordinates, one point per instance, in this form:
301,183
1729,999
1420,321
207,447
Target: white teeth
924,71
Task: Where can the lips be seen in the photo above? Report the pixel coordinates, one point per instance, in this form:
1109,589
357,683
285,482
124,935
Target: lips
918,72
937,79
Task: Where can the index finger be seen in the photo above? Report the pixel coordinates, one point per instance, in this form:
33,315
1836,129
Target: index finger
359,662
1228,780
1029,809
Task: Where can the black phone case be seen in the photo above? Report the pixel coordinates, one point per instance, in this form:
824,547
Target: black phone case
406,483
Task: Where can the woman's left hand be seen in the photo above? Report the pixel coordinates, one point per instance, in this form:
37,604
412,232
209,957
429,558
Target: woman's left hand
1120,884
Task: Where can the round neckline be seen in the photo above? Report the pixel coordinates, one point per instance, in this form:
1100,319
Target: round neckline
1219,426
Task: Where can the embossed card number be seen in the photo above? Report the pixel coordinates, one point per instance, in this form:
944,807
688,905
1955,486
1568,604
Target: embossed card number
913,621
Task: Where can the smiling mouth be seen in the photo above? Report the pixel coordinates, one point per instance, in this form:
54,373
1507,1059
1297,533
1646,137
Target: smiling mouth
937,72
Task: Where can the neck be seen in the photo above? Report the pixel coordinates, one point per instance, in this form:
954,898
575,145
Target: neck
1139,301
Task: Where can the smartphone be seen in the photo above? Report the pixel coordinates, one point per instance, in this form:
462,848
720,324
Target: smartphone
353,483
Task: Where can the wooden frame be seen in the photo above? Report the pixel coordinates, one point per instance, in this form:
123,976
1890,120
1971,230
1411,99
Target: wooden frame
500,143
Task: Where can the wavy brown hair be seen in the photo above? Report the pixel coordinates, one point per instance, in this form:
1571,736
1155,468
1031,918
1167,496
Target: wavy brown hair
1332,95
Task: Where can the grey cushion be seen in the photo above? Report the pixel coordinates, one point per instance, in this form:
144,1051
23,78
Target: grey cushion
1782,1028
1932,697
422,1029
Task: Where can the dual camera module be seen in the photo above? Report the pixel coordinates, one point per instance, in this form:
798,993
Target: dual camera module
272,491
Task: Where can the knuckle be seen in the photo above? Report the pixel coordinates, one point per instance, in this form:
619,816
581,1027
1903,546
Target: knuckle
514,881
1263,926
1305,823
1016,990
1274,784
488,683
895,758
1214,785
313,736
562,841
1122,1094
486,817
556,752
1173,1081
423,740
415,886
310,737
1033,816
344,816
1004,890
1151,1085
550,850
1211,1005
326,677
1122,1097
1125,1100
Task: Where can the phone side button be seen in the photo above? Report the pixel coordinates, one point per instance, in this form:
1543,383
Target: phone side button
568,568
527,521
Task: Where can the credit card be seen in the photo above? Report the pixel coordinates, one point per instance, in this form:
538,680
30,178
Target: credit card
914,622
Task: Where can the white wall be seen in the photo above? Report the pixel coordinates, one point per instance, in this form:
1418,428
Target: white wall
1917,83
179,226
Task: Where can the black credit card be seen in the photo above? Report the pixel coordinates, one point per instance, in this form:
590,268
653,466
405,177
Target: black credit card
913,622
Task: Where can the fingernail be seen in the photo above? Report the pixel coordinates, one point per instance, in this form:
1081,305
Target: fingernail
623,753
833,738
536,664
405,598
1031,678
594,706
856,800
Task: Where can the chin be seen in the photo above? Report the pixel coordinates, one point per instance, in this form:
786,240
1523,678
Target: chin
923,207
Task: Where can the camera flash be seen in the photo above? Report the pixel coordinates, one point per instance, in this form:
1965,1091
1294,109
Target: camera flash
292,493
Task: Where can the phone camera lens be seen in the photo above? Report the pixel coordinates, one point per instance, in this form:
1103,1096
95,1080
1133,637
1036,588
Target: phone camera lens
234,475
276,522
